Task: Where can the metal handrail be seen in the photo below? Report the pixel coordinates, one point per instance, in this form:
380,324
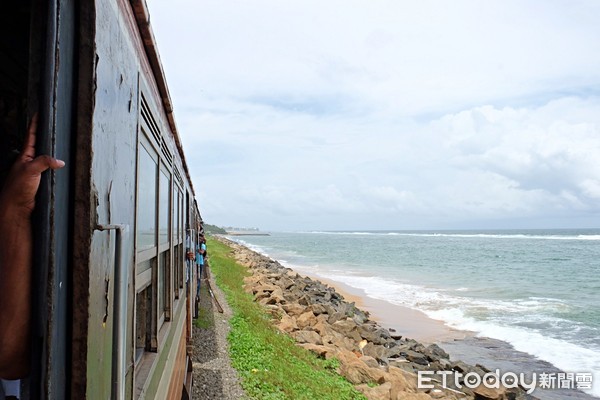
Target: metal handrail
119,313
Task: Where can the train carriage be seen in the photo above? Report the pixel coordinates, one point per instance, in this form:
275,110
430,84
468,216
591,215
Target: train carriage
113,302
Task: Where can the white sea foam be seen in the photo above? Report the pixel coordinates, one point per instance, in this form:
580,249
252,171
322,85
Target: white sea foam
452,310
566,356
466,235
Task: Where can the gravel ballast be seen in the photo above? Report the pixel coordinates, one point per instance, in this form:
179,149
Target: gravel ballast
214,377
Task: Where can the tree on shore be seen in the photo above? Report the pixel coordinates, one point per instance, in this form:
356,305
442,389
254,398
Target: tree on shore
213,229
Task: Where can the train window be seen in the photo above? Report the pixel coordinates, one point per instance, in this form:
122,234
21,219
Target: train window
177,256
164,273
165,206
146,204
176,215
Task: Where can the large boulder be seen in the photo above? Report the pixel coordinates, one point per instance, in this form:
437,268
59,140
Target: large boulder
307,337
318,309
483,392
358,372
401,380
287,324
293,309
435,352
416,357
377,392
306,319
375,351
348,328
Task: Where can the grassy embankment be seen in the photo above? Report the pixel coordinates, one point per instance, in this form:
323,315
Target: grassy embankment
270,364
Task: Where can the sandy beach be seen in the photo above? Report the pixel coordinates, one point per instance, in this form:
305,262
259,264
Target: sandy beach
405,321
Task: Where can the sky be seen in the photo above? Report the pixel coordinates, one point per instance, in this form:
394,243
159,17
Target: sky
391,115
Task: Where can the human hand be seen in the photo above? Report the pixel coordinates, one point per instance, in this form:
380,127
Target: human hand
23,180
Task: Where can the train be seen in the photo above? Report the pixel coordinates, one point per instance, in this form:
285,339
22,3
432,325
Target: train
113,303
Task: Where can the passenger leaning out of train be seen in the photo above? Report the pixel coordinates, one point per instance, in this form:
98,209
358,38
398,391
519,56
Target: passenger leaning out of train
200,255
17,200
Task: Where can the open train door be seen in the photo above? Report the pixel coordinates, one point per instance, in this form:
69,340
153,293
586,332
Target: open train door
46,31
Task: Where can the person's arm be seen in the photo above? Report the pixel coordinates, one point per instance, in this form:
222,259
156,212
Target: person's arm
17,200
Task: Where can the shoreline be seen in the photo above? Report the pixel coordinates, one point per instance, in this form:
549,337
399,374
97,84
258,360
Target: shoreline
461,345
405,321
413,324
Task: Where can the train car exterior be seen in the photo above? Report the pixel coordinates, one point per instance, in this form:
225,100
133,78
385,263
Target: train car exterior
113,302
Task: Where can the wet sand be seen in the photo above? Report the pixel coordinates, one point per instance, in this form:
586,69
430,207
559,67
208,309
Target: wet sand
404,321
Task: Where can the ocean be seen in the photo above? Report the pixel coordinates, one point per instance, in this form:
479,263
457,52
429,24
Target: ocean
538,290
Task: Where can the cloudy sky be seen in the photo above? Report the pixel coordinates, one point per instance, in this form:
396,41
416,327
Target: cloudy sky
374,114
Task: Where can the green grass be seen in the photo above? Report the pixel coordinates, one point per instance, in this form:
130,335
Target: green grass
270,364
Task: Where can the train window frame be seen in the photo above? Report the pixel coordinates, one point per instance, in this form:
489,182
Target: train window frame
165,254
146,263
178,256
146,145
146,277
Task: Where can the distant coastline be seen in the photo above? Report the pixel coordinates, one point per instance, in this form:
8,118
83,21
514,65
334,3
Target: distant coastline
247,233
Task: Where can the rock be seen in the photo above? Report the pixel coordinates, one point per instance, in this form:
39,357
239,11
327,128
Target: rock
304,300
293,309
461,367
376,335
359,316
343,342
346,327
345,356
318,309
437,352
307,337
320,350
370,361
336,316
287,324
379,392
415,357
401,380
274,310
375,351
483,392
394,350
358,372
251,280
285,283
265,288
277,296
306,319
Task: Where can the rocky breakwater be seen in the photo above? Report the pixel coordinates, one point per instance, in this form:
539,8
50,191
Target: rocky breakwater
380,363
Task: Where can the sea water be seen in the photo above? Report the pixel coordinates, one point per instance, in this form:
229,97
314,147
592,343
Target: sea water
538,290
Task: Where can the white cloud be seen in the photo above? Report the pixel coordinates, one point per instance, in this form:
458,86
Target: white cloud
387,114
